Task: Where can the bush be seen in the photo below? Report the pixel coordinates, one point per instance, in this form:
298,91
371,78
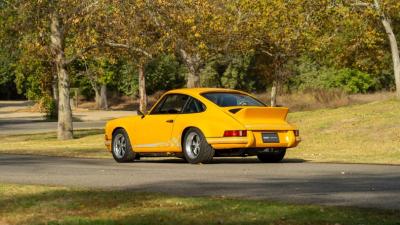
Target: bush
164,73
314,77
49,107
352,81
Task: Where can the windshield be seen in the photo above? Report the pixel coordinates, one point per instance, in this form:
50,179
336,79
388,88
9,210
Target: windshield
226,99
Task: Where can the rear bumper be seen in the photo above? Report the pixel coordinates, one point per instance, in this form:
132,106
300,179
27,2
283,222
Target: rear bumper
254,140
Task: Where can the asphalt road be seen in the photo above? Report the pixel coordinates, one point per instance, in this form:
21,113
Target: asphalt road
16,118
372,186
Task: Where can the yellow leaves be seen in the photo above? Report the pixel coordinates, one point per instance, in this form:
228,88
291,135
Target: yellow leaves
371,38
75,20
202,46
189,21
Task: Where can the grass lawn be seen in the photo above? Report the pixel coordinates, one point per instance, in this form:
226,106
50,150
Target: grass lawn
367,133
28,204
87,144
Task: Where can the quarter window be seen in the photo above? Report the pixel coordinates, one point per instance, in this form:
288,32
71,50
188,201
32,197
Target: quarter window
194,106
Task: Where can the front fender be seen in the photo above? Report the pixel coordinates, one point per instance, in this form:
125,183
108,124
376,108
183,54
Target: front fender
126,123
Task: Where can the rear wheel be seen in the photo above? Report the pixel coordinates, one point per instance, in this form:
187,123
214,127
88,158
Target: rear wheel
272,157
121,147
195,147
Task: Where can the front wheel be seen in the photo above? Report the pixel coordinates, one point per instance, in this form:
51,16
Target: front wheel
121,147
195,147
272,157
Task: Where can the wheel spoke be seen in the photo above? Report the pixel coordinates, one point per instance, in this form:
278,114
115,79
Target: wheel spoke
192,145
122,151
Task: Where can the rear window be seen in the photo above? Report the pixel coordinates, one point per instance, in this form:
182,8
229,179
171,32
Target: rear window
225,99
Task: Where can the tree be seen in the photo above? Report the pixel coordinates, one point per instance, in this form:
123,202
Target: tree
353,34
9,51
282,34
60,27
130,29
200,29
99,71
386,22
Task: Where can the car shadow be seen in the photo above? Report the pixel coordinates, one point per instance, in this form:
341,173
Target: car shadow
222,160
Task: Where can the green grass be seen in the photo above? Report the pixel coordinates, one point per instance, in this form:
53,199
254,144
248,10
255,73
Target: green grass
27,204
87,144
367,133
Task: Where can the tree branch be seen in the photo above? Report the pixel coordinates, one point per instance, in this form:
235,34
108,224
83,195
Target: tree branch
129,47
79,11
85,6
362,4
375,5
267,52
79,54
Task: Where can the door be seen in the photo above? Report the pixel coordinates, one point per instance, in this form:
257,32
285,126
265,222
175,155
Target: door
154,130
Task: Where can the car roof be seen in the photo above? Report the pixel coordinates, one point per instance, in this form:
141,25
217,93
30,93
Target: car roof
197,91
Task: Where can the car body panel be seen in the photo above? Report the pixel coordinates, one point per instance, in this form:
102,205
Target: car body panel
164,132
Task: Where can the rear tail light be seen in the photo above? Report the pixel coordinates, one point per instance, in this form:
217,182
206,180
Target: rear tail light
296,133
235,133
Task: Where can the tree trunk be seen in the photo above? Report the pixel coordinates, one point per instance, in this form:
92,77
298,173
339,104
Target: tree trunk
395,54
65,129
393,46
101,97
97,97
142,89
193,63
193,79
54,86
273,95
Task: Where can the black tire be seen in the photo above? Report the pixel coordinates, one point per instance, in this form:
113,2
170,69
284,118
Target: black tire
202,153
122,151
272,157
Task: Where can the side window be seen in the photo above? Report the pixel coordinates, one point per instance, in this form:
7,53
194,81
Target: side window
194,106
172,104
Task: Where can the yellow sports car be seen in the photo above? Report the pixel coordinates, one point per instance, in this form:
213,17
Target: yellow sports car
200,123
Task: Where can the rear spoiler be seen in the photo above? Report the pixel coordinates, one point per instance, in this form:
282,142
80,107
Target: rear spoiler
274,113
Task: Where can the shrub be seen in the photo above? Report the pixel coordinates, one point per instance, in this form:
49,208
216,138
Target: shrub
352,81
164,73
49,107
312,76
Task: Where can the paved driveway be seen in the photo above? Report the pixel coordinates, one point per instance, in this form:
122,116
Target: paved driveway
374,186
15,118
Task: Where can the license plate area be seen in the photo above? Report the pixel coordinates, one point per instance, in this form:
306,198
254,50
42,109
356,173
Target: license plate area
270,137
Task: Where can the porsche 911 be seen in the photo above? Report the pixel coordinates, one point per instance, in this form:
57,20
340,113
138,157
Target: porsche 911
197,124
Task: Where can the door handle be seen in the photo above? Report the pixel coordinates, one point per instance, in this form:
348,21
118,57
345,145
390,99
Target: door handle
169,121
